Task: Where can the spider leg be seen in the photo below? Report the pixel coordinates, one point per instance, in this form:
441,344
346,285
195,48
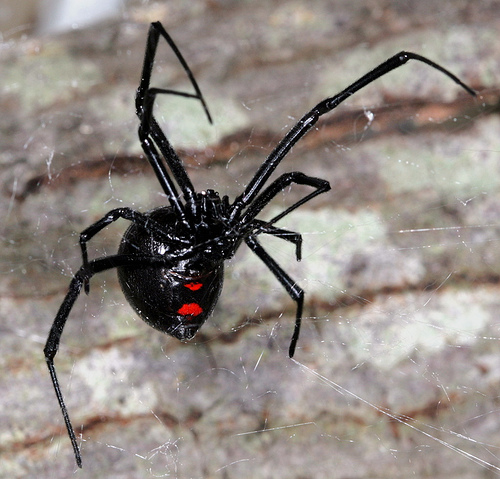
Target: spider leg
110,217
149,130
291,236
52,345
155,31
325,106
294,291
162,175
279,185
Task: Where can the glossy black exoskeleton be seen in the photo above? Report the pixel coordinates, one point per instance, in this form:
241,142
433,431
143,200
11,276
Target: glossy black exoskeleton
177,297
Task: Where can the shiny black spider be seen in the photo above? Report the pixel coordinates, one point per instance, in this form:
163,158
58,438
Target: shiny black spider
170,260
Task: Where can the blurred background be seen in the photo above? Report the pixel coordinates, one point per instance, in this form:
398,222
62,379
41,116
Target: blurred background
396,372
36,17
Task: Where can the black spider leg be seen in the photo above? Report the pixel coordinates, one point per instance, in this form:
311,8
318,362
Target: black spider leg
110,217
287,235
325,106
278,185
292,288
295,291
150,133
81,277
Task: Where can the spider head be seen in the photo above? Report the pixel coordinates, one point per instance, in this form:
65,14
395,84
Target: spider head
208,211
211,230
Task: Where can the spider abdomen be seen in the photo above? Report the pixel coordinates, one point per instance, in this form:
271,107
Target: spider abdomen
176,297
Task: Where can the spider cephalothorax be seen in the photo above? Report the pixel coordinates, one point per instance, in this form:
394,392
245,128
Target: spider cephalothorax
171,260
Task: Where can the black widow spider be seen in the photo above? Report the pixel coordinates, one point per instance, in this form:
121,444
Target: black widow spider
170,260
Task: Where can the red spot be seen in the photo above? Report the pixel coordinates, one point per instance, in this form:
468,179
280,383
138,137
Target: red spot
191,309
193,286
